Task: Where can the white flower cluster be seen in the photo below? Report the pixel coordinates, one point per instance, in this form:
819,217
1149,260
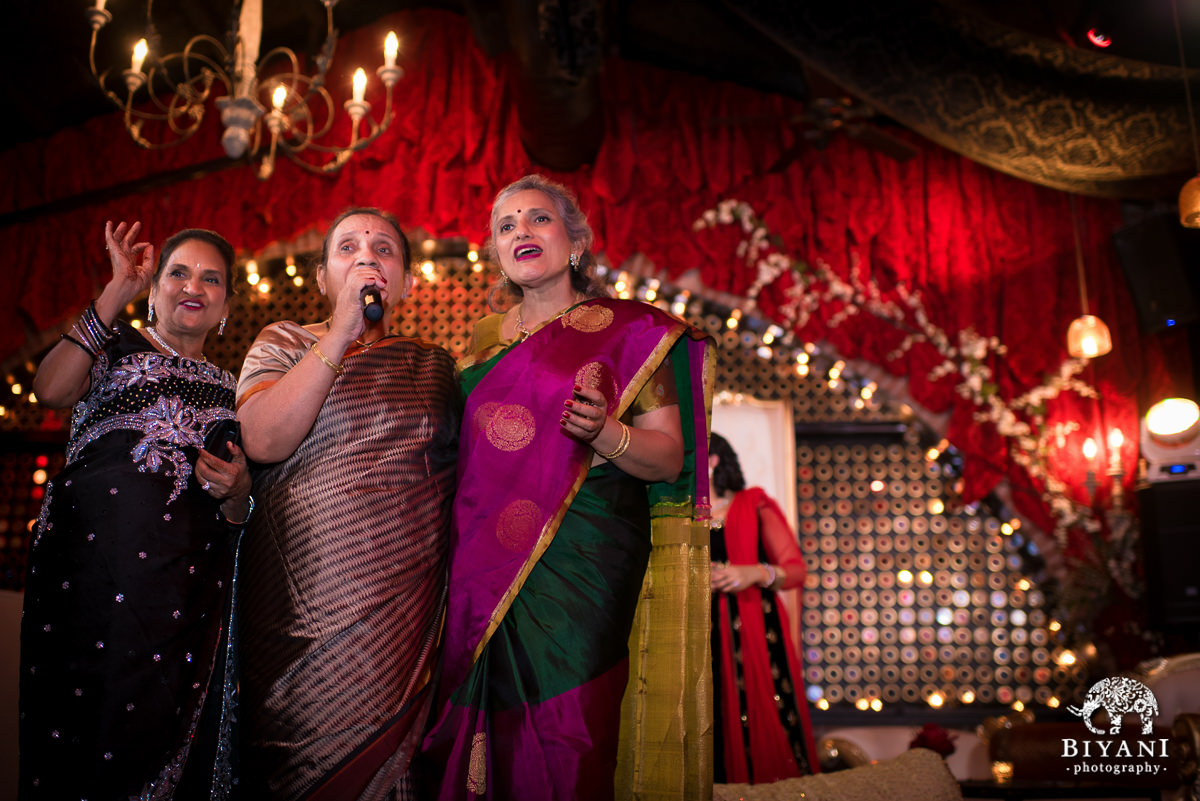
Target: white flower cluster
968,355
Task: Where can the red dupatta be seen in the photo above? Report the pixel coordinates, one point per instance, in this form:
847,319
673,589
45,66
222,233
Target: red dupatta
769,742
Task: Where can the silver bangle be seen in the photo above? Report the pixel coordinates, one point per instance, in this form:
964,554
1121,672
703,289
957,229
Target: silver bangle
248,514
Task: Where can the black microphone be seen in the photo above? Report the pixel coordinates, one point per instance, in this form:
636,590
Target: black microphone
372,303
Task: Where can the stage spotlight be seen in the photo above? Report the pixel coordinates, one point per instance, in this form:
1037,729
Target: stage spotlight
1170,440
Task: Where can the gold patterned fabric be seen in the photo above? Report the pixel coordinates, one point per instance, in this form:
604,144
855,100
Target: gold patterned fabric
666,747
1034,108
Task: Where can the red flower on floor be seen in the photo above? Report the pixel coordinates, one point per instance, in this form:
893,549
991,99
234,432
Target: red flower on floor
935,738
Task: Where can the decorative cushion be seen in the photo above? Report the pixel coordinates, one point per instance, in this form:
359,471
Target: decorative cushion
916,775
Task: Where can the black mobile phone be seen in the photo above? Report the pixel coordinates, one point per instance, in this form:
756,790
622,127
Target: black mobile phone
220,436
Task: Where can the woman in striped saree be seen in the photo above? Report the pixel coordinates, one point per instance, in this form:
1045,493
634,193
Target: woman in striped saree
344,571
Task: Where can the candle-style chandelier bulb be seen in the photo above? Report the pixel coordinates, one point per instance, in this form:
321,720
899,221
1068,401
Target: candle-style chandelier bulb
181,85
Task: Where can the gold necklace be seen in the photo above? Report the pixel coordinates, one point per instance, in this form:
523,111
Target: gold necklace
359,342
525,332
154,334
371,344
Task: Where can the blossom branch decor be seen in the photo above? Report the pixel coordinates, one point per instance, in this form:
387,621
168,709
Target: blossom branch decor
967,357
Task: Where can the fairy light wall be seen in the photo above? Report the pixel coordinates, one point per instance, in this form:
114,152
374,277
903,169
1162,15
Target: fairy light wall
911,598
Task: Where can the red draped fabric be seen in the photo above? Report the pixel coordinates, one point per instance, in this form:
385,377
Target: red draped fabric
987,251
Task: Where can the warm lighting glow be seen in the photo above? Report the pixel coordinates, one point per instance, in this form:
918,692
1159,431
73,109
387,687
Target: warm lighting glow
932,454
1024,584
264,287
298,280
139,55
1054,625
1018,706
967,697
925,577
136,323
290,269
252,267
473,255
863,704
936,507
1115,439
360,85
802,370
1088,337
1173,420
1089,449
391,46
877,486
427,268
1053,702
1006,529
1189,203
1066,658
39,476
734,316
904,577
936,700
236,80
252,278
16,389
823,704
802,358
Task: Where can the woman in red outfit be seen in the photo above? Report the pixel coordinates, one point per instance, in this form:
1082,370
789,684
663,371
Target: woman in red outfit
755,554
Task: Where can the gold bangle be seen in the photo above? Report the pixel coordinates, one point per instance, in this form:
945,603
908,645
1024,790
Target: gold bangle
622,446
337,368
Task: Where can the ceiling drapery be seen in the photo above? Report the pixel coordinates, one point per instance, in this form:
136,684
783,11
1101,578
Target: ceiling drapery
987,251
1068,118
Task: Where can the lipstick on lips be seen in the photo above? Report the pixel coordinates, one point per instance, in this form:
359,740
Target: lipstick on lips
526,251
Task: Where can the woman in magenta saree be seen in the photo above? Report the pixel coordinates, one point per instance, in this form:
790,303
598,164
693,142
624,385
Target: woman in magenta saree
551,528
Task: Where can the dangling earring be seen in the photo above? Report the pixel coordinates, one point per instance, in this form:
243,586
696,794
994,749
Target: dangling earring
221,327
504,277
574,261
150,314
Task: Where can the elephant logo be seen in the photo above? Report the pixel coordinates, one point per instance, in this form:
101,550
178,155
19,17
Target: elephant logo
1118,697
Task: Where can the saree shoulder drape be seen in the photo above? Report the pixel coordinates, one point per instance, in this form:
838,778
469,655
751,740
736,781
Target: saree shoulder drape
549,554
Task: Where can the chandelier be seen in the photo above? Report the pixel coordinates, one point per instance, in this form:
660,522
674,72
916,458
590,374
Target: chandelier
269,104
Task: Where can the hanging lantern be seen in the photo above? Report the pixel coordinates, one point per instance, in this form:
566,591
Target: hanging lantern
1088,337
1189,204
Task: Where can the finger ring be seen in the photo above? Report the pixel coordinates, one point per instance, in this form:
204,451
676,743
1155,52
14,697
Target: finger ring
206,486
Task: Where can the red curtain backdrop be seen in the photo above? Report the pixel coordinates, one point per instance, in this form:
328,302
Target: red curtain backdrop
987,251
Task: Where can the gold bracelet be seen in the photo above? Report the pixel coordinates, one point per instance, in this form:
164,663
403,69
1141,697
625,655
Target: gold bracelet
337,368
622,446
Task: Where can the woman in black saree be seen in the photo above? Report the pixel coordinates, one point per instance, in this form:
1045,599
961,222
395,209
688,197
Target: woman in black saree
126,675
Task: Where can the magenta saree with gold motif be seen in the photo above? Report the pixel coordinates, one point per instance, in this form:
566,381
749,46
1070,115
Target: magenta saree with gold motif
548,555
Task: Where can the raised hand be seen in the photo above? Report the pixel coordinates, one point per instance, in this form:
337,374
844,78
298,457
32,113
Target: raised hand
132,261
